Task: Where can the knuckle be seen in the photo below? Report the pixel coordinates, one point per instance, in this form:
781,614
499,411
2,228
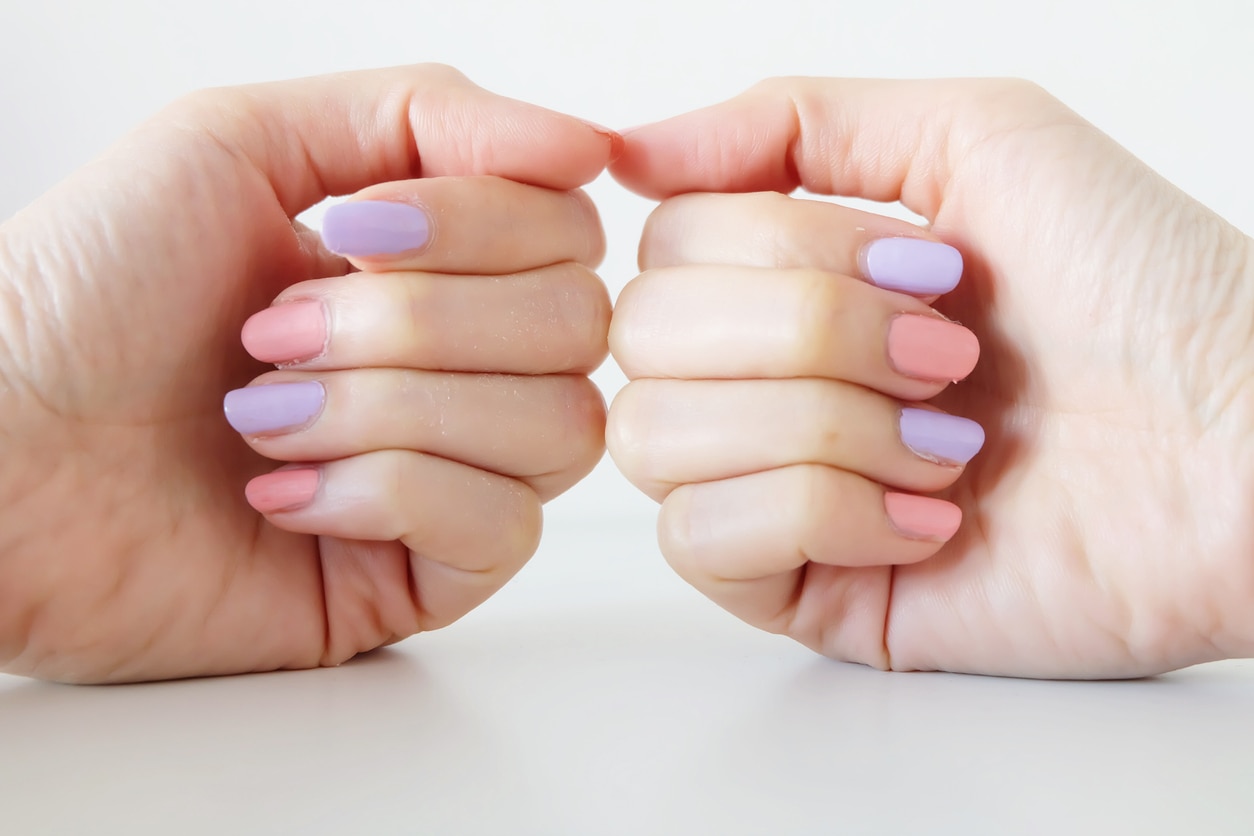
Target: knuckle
592,231
419,322
627,432
777,86
655,239
628,351
817,494
581,306
585,422
822,301
674,532
521,524
825,407
434,71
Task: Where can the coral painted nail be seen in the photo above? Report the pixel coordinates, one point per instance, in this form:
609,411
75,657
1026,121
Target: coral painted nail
287,333
283,490
922,517
931,348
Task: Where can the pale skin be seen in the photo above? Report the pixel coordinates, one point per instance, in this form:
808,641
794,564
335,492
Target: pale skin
1103,524
129,548
1106,528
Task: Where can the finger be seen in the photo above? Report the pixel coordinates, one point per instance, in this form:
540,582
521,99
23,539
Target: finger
767,229
464,225
547,431
551,320
785,548
319,261
336,134
771,523
665,433
879,140
748,322
467,531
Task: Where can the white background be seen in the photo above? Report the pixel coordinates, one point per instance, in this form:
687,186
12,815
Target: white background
597,694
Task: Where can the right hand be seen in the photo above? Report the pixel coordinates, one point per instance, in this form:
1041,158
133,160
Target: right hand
1106,525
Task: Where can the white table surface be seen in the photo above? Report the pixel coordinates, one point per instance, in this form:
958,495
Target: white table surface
598,695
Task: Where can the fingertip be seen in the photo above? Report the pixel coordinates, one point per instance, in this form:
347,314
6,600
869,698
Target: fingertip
922,517
740,145
288,489
611,136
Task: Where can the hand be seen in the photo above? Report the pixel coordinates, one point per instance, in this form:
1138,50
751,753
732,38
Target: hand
1104,527
129,550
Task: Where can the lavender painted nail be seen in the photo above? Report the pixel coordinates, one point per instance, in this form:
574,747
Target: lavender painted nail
939,437
374,227
273,407
912,265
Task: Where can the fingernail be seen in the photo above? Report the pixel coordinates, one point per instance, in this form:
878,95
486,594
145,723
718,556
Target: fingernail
911,265
937,436
617,143
374,227
922,517
283,490
931,348
272,408
286,333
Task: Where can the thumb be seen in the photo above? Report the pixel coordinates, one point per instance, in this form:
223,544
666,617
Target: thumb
333,135
879,140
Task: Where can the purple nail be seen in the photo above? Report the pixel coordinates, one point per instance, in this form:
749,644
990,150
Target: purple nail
911,265
273,407
374,227
939,437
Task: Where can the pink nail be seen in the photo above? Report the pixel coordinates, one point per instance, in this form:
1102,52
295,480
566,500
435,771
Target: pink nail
931,348
922,517
283,490
287,333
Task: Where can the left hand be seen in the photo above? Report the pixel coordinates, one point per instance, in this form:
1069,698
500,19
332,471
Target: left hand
129,551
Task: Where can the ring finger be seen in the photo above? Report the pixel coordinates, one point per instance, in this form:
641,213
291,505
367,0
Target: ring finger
546,431
664,433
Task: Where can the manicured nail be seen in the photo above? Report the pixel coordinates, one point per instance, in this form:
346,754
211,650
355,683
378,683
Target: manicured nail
283,490
272,408
937,436
286,333
931,348
911,265
617,143
922,517
374,227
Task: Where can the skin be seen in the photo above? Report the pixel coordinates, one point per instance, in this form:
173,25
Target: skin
127,548
1106,530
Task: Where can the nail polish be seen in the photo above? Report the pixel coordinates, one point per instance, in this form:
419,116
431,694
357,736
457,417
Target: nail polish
375,228
273,408
283,490
287,332
911,265
931,348
939,437
922,517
